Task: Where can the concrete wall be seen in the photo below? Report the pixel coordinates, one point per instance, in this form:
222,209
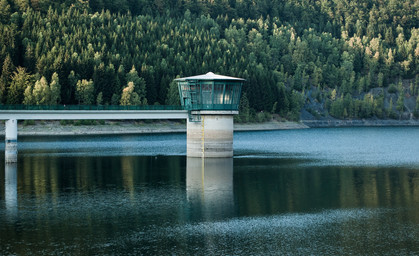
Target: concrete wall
211,137
11,141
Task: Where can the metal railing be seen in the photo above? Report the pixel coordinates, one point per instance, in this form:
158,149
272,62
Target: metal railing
233,107
89,107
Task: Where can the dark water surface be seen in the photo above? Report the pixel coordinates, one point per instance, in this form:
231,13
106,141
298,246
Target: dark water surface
297,192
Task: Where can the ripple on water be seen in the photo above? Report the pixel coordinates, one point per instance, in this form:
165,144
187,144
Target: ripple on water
328,232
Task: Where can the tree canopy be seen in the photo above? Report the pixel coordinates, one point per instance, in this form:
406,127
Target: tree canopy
323,57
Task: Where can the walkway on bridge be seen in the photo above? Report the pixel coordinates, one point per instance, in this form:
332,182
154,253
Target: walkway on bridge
77,112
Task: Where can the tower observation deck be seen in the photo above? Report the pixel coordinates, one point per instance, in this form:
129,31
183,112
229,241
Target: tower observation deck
211,101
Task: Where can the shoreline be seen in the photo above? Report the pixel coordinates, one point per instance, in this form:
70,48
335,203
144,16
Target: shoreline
334,123
54,128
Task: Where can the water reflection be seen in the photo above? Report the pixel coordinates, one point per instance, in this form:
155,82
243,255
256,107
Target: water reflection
209,185
269,186
175,205
10,189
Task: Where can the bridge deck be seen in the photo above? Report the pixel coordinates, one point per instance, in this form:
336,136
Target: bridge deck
77,112
92,114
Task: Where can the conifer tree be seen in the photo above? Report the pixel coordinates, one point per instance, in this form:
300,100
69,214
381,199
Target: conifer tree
139,85
99,99
28,96
400,102
129,96
342,50
244,109
5,11
69,91
5,78
173,94
390,111
84,91
55,90
20,81
42,92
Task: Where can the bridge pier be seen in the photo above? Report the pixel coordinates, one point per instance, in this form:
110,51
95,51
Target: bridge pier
212,136
11,141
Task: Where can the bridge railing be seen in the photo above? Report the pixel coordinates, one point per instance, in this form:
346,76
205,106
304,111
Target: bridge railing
88,107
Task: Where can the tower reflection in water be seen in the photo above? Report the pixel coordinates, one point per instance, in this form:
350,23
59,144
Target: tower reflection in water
10,186
209,182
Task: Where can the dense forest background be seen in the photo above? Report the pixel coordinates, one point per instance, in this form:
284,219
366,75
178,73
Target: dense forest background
301,58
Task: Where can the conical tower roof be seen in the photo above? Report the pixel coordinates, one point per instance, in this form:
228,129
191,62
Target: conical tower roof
210,77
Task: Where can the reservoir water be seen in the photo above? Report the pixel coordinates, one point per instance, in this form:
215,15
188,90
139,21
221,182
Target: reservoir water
294,192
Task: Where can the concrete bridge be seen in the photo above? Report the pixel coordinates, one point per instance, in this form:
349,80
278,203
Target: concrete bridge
208,104
92,114
204,138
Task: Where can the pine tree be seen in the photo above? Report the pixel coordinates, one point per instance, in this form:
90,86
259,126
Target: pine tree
417,106
129,96
139,83
69,90
55,89
390,111
400,102
5,11
41,92
20,81
244,109
99,99
28,96
6,77
173,94
84,92
380,79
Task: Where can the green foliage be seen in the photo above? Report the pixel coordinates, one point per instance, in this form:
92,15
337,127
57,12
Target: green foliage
84,92
55,90
99,99
5,77
400,102
66,122
173,94
28,122
283,49
5,11
85,122
129,96
41,92
390,110
392,89
244,110
139,86
416,112
20,81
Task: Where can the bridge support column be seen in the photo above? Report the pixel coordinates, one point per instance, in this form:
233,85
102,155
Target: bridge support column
212,136
11,141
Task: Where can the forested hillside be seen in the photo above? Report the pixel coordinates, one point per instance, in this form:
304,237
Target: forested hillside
346,59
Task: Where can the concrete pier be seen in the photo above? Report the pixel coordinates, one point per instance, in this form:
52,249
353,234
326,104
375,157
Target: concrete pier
212,136
11,141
